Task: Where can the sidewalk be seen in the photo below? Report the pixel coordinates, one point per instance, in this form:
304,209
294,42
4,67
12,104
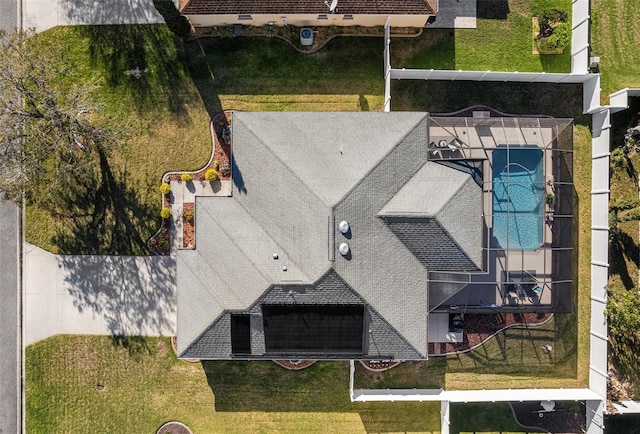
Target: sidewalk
45,14
122,295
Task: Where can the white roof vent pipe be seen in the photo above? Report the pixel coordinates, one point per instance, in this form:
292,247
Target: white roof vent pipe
344,227
343,249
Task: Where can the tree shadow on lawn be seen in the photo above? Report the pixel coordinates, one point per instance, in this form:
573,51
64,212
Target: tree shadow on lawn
269,66
155,51
558,100
240,386
103,216
134,296
621,247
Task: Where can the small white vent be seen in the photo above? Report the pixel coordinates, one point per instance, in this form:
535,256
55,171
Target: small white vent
343,226
343,249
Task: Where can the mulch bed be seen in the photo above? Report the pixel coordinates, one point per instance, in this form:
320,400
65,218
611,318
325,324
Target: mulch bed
564,419
379,365
480,327
160,242
174,427
188,229
174,345
294,366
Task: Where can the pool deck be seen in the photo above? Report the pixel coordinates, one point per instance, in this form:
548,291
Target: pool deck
505,282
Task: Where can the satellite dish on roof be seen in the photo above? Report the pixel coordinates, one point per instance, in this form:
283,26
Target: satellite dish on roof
332,6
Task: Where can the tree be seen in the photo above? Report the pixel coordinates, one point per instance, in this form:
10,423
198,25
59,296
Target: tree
49,138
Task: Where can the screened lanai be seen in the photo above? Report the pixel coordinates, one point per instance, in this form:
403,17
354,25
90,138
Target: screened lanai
524,168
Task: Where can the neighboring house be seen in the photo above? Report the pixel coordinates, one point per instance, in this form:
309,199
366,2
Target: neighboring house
367,235
403,13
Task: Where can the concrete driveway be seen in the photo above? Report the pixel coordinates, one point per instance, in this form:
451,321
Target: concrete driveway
106,295
45,14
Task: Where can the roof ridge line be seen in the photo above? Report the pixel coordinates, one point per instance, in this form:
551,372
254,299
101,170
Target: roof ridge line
277,157
457,190
383,158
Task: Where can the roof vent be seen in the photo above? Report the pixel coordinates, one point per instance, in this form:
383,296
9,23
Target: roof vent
343,249
344,228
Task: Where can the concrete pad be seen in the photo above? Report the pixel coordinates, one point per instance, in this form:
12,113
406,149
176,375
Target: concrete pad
455,14
45,14
87,294
40,14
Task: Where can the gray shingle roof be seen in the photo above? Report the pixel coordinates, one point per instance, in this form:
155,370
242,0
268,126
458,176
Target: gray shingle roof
295,176
383,340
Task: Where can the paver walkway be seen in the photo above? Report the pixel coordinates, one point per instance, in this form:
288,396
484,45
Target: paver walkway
121,295
45,14
186,192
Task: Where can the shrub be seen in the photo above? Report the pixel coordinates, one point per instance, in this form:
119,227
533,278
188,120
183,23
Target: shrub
211,175
163,244
270,30
189,215
549,18
216,165
550,198
177,23
165,188
165,213
558,40
185,177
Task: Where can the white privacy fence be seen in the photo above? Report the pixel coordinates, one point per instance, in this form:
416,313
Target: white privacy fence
595,395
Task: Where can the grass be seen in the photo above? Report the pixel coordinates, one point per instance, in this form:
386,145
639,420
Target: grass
146,386
162,118
615,38
501,42
623,248
486,418
161,123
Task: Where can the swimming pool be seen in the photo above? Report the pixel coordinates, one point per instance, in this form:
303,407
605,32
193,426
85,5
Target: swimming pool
518,198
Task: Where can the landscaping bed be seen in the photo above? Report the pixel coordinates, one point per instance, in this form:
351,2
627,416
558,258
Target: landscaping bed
479,328
188,225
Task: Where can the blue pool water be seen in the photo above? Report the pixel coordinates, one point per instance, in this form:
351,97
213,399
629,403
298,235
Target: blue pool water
518,198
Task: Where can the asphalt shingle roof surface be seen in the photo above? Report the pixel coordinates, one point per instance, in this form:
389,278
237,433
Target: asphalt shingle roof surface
375,7
296,175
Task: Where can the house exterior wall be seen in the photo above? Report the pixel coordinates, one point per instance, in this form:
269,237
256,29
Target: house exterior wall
308,20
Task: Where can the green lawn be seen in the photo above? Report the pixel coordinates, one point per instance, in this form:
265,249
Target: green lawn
502,41
623,248
615,38
145,386
484,418
162,118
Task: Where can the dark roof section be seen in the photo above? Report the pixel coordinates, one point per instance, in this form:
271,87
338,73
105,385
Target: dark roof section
359,7
312,329
240,334
382,341
431,243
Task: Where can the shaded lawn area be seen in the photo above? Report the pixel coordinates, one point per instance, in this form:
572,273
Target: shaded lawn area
162,118
145,386
623,246
502,41
615,38
267,74
485,418
161,125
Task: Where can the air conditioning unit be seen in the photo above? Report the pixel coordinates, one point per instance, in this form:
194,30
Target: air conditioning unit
306,36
